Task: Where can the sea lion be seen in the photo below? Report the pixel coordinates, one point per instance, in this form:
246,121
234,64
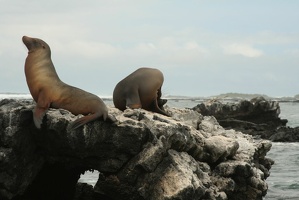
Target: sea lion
49,91
140,89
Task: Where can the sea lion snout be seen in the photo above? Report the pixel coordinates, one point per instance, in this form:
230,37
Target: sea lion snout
24,37
27,41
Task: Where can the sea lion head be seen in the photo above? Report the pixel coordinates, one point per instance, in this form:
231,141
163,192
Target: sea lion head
34,44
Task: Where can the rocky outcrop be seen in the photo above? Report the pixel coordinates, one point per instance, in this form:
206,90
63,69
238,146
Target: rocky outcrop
143,155
257,117
285,134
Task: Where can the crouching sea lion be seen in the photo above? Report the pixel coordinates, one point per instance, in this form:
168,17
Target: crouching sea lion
49,91
141,89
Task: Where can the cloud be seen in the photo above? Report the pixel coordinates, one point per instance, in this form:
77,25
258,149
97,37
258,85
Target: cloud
164,50
115,36
242,49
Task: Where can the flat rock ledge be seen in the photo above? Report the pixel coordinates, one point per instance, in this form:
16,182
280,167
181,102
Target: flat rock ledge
143,155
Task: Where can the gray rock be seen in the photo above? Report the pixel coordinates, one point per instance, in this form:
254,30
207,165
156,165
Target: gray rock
257,117
143,155
220,148
285,134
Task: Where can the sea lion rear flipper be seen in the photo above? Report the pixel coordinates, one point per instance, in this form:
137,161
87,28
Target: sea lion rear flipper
161,102
155,108
111,118
88,118
38,115
77,123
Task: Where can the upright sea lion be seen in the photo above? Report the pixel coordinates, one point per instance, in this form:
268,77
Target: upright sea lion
141,89
49,91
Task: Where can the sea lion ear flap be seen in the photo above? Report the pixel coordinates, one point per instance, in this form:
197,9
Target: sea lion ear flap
43,46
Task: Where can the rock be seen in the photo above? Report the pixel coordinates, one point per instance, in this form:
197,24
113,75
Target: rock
84,192
220,147
20,162
143,155
285,134
257,117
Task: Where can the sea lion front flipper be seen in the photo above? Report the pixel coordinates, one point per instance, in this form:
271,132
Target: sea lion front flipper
38,115
40,110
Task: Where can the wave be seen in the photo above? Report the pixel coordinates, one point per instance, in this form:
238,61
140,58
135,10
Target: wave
28,96
15,96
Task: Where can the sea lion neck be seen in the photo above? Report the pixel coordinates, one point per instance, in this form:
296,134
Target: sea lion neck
40,52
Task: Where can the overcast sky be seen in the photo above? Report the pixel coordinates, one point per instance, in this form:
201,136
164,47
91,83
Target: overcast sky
203,48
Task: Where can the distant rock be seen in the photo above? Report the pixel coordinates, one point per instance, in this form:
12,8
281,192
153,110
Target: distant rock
257,117
143,156
240,96
285,134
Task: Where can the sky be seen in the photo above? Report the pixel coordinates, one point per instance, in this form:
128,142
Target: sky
203,47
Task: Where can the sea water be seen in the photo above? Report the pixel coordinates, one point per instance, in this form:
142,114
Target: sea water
283,183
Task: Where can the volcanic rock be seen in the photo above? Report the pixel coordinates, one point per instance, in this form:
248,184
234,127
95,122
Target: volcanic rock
143,155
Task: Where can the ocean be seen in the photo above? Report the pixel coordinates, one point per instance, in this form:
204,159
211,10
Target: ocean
283,182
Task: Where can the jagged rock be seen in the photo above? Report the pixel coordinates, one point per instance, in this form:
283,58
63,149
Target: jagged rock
220,147
143,155
255,117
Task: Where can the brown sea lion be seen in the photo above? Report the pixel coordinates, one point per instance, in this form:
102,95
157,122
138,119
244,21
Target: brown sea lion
141,89
49,91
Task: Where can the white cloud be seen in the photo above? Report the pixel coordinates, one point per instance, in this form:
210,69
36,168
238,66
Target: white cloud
242,49
163,50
